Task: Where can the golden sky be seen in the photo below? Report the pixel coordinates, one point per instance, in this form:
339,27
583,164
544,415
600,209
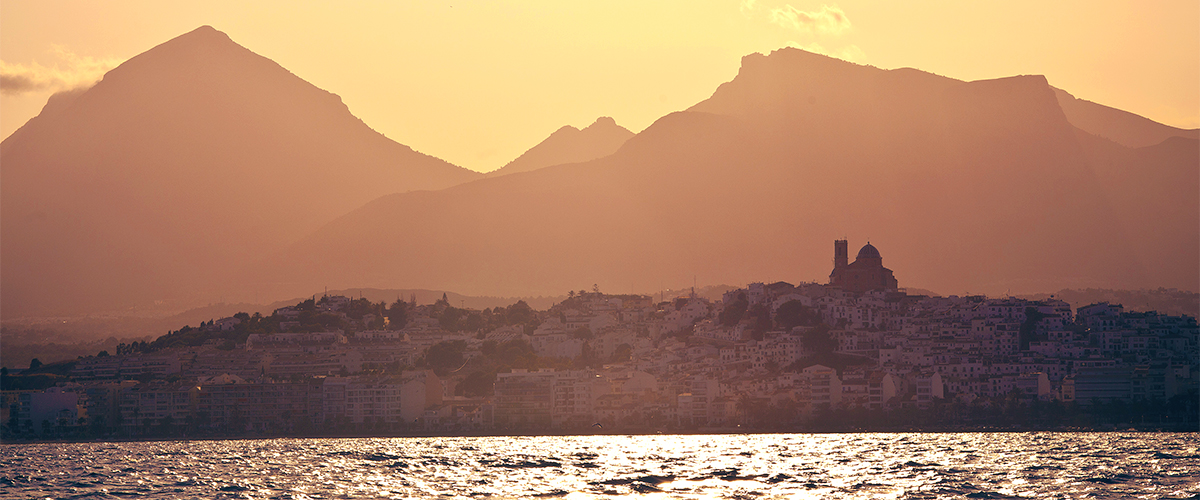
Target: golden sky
479,82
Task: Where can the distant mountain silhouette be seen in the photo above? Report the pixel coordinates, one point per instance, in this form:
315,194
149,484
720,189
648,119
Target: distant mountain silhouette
570,145
963,186
181,166
1121,127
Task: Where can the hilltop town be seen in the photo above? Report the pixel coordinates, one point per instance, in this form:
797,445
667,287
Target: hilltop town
855,353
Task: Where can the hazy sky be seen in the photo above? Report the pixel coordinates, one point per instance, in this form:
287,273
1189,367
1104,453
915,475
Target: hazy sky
479,82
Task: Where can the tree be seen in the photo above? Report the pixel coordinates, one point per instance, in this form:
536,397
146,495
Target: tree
516,354
622,353
445,357
397,315
794,313
96,422
474,322
762,320
478,384
14,424
34,364
519,314
1028,330
817,340
450,317
587,357
733,312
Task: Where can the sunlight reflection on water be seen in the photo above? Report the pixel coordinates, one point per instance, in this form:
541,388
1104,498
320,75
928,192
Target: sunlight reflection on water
997,465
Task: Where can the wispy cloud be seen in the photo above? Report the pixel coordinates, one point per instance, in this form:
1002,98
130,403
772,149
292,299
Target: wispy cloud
828,20
69,71
747,7
825,25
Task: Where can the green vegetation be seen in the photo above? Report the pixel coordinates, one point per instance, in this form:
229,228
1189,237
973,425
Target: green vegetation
794,313
1028,331
310,316
818,340
445,357
39,376
732,314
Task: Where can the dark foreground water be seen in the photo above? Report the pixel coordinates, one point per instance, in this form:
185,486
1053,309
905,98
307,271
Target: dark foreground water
1041,465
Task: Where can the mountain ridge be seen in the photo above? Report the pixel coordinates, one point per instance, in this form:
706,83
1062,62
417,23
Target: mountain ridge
177,170
570,145
867,149
985,186
1122,127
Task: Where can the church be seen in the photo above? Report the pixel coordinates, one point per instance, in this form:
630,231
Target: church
866,273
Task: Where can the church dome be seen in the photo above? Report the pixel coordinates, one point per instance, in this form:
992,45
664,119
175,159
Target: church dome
868,252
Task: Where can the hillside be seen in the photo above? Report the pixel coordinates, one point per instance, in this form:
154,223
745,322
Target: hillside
1121,127
963,186
181,167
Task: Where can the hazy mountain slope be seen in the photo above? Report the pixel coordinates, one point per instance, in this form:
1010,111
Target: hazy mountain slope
1155,194
570,145
963,186
1121,127
181,165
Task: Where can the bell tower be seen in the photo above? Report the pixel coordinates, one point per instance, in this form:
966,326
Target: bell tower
841,254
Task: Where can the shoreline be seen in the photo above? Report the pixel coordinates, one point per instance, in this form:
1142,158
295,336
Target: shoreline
676,432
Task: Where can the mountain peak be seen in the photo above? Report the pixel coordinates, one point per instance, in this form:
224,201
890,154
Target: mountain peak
204,36
205,31
274,155
571,145
980,186
603,122
785,79
791,57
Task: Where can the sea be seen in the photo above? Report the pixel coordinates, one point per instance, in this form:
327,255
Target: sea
744,466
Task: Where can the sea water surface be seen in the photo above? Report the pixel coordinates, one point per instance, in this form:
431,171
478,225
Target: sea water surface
955,465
